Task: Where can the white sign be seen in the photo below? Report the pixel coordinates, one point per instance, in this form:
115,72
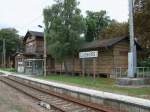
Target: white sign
90,54
20,63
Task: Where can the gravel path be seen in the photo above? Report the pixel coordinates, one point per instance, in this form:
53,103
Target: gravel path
13,101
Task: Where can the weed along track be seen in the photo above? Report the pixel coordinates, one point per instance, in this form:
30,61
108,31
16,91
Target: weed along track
57,102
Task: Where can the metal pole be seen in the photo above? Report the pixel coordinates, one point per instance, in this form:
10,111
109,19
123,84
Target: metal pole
132,54
4,53
131,27
45,55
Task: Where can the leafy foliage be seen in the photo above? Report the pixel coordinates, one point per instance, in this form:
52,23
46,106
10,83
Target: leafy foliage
144,63
114,29
96,22
142,23
12,40
63,26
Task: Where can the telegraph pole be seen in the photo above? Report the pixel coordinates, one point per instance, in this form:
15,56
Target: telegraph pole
4,53
132,53
45,53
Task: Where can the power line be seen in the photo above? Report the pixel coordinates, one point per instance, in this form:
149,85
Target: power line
35,19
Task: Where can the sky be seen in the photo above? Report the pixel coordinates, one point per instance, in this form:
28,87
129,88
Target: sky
26,15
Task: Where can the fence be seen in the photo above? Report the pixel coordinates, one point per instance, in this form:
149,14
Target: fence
141,72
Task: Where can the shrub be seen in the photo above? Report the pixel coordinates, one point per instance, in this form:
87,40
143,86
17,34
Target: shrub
144,63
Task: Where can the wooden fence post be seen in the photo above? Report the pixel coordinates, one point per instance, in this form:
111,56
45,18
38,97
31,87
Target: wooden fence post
83,67
94,68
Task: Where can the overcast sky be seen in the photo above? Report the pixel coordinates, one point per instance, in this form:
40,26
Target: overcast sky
27,14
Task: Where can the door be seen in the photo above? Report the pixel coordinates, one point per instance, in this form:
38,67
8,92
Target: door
20,68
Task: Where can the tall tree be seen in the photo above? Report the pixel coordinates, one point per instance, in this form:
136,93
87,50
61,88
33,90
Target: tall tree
63,26
115,29
96,22
142,22
12,41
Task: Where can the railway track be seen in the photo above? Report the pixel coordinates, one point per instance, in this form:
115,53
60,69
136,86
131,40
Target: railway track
57,102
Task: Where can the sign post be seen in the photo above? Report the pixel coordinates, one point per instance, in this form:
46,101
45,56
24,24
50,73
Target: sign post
85,55
83,67
94,68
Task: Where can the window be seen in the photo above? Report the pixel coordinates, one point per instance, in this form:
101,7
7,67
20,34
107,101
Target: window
29,64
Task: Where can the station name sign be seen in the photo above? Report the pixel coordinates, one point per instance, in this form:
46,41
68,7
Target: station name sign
90,54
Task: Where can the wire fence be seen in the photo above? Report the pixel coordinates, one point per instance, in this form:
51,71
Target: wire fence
121,72
143,72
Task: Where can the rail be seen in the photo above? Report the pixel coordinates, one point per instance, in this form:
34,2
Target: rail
75,102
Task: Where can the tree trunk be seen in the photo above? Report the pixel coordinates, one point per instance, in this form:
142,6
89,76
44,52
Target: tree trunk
73,66
66,67
61,68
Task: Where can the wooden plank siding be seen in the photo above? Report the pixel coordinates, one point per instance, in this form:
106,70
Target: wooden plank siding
30,45
50,65
105,61
120,52
111,53
39,46
108,58
34,45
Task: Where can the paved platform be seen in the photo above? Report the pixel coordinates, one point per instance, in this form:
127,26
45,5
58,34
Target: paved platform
133,81
90,92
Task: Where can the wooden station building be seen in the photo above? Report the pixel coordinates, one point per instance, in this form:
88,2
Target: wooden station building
31,60
112,53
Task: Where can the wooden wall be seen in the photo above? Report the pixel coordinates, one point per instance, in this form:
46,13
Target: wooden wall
103,63
108,58
73,65
50,65
121,54
34,45
39,45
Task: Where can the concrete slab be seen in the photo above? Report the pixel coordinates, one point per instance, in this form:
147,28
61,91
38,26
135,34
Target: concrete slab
133,81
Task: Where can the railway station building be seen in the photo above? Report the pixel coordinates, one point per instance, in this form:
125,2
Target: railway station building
112,53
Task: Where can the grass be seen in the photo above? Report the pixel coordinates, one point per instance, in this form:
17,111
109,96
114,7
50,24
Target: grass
103,84
8,69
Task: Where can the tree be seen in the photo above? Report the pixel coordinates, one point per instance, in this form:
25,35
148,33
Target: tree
63,26
12,41
96,22
142,23
114,29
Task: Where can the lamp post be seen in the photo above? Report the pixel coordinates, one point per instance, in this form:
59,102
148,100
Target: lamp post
45,53
132,53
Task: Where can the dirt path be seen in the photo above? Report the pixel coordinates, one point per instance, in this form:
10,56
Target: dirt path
13,101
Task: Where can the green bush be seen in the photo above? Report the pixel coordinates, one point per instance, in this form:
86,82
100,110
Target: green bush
144,63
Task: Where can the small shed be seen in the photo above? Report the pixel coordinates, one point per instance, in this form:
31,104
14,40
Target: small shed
19,62
33,66
29,66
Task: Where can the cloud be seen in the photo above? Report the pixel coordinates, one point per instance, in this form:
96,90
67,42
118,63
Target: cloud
27,14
